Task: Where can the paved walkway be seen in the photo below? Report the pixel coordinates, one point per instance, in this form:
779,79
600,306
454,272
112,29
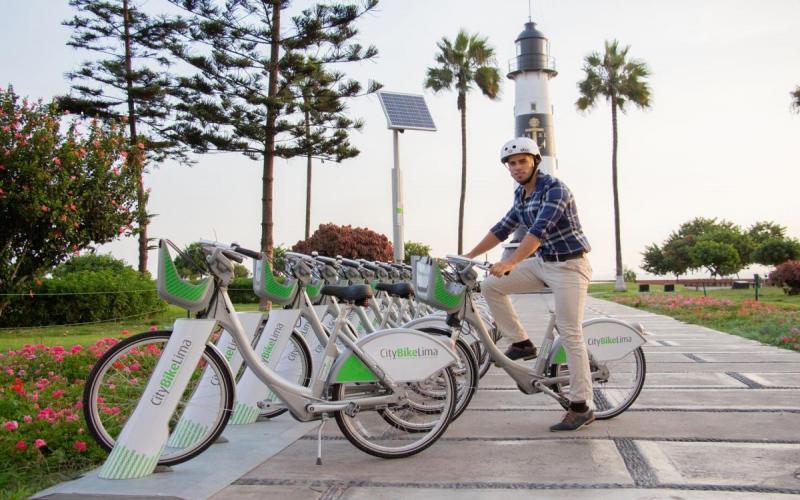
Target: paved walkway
719,418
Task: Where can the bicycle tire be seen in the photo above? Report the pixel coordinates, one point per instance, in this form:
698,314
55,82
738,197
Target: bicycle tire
95,397
467,377
288,370
610,401
358,427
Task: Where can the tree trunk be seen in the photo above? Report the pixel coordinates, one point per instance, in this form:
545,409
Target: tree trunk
269,144
463,106
136,156
308,178
620,283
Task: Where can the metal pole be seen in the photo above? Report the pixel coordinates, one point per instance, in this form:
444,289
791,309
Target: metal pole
397,201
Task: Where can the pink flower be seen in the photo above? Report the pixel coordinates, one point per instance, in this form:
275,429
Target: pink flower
76,349
57,161
39,443
154,328
80,446
58,394
140,145
20,445
27,419
45,208
11,425
125,332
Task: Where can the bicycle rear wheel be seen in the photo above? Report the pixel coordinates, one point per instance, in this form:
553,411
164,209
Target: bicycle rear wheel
118,380
427,415
617,390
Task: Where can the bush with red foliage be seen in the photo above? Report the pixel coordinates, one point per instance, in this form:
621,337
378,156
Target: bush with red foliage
347,241
788,275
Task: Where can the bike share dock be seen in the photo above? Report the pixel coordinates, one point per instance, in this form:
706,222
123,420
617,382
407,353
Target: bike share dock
718,418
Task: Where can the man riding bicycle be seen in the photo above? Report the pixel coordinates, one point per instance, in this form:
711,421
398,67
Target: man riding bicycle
545,206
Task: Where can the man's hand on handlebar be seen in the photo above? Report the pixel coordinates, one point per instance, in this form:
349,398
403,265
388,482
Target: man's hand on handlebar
501,268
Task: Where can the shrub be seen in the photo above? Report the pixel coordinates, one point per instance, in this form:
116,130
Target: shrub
84,296
60,190
787,275
241,291
629,275
89,262
347,241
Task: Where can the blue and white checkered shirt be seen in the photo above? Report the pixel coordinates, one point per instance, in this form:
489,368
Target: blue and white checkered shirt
550,215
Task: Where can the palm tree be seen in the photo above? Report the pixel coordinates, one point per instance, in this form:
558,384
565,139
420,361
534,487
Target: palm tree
462,65
796,99
621,81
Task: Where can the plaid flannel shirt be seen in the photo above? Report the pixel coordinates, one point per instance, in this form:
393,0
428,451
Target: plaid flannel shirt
550,214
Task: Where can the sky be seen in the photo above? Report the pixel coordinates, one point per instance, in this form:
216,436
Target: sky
720,139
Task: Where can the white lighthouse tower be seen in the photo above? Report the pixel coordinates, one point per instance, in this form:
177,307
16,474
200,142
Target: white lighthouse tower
531,70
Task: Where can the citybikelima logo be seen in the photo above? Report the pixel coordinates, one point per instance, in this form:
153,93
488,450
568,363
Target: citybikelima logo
609,341
273,339
409,352
168,378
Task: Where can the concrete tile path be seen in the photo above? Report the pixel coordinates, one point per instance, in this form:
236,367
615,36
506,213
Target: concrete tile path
719,418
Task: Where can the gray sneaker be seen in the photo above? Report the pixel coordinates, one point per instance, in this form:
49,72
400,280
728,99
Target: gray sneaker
574,421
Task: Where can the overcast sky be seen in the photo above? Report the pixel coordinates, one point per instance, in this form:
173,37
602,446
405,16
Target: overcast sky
720,140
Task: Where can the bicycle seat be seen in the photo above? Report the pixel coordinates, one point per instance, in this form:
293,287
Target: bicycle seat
355,294
402,290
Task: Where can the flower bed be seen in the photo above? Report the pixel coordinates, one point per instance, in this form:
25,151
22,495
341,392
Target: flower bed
42,435
762,321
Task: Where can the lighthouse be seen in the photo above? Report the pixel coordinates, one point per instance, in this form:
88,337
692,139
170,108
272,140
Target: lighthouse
531,70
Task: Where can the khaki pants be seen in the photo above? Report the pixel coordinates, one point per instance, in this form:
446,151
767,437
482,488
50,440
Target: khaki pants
569,281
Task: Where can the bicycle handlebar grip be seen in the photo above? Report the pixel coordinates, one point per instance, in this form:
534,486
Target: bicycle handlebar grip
244,251
350,263
234,256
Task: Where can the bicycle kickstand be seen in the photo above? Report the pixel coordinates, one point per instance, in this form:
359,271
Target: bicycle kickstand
319,438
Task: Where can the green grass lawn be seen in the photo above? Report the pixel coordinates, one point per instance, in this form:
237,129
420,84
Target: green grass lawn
774,319
90,333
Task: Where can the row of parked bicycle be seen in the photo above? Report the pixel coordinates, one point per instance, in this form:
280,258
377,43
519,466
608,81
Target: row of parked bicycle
393,352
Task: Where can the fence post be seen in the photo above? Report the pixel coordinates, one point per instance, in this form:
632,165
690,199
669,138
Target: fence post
757,284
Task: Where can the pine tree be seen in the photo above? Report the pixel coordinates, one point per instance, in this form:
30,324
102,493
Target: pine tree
234,101
127,82
316,119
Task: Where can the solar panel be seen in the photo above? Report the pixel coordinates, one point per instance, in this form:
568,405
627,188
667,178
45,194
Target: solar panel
406,111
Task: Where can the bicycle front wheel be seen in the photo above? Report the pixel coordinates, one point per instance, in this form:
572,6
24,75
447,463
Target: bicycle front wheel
427,416
615,384
119,378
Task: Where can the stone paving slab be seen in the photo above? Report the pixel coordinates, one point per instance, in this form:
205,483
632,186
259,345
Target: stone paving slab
750,464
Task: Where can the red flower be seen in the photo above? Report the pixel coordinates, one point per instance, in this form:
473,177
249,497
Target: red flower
80,446
20,445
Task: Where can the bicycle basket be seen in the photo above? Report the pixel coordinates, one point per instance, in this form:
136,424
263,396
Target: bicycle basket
267,286
314,288
430,287
175,290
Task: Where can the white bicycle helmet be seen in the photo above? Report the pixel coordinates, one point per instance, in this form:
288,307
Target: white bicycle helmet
524,145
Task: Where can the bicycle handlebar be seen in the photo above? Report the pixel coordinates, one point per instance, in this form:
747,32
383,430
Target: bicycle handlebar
460,259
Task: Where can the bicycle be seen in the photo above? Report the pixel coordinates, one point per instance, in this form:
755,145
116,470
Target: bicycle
616,358
371,387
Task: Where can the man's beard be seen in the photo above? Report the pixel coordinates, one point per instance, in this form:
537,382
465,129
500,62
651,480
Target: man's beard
530,177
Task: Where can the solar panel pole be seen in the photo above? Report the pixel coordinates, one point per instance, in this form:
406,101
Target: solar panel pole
397,201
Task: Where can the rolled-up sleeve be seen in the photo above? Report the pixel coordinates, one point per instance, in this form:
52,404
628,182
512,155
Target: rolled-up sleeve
554,203
508,223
